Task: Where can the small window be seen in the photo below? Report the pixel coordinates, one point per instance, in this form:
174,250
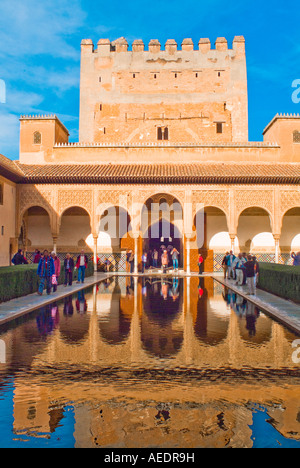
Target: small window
219,127
134,75
197,75
37,138
176,75
104,131
162,133
219,74
2,230
155,76
100,79
1,193
100,107
296,136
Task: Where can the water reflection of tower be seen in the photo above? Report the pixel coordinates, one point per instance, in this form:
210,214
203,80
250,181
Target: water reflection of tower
161,329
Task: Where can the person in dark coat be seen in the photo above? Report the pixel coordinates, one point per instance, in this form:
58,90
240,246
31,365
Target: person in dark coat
69,268
19,258
46,270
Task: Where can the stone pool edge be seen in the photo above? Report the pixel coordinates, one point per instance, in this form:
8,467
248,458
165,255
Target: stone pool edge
12,310
285,318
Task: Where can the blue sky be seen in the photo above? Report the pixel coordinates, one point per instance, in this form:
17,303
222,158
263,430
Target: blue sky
40,50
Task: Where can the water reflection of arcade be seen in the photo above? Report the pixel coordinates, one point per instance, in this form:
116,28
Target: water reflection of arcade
161,323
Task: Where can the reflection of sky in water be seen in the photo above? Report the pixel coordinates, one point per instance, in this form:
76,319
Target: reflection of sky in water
180,363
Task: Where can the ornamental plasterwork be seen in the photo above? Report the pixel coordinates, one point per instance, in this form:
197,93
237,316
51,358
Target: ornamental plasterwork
31,196
75,197
254,198
289,199
216,198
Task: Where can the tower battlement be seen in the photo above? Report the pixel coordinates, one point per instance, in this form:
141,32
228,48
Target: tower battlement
106,47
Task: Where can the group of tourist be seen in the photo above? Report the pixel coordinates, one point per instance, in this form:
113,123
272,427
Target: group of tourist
49,268
244,269
151,259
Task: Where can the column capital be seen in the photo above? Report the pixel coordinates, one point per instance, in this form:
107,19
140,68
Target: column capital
277,237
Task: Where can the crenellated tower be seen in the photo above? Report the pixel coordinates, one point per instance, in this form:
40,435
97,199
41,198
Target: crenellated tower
187,94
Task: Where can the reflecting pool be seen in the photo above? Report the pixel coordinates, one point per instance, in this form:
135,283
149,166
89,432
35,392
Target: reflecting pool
149,362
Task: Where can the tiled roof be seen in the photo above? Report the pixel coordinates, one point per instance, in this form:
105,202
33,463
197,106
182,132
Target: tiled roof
193,173
9,169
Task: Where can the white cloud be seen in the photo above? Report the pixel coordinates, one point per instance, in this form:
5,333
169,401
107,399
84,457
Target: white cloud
33,28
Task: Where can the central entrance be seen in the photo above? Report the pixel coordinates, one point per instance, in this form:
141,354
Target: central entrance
162,223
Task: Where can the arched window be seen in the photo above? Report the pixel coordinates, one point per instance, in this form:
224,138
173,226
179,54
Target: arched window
37,138
296,136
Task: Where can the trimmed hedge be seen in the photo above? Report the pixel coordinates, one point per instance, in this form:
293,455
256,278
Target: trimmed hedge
21,280
282,280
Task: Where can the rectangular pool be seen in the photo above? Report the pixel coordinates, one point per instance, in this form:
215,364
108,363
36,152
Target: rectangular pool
149,362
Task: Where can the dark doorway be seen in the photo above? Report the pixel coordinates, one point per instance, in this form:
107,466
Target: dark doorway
163,235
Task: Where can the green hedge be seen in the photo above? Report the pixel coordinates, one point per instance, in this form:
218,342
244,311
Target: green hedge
282,280
21,280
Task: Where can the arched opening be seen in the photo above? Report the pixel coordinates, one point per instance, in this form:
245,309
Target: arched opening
35,231
290,234
162,227
255,233
75,229
114,237
211,240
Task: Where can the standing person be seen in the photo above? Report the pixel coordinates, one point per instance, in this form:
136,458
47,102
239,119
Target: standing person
296,258
250,272
128,253
200,264
165,261
69,268
238,266
256,270
155,258
131,261
175,255
224,264
107,264
144,261
81,265
19,258
230,259
37,256
46,270
57,267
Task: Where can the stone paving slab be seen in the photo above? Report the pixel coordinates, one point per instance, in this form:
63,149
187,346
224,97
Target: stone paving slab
23,305
286,312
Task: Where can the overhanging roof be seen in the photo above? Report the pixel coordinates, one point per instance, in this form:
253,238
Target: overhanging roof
194,173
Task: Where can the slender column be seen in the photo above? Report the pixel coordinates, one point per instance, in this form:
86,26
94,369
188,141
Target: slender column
95,252
277,239
55,244
232,240
136,260
188,256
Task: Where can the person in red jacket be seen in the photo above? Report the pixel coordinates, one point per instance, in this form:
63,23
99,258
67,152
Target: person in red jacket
81,265
200,264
